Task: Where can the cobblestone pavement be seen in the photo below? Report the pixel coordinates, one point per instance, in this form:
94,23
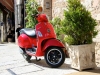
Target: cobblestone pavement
12,63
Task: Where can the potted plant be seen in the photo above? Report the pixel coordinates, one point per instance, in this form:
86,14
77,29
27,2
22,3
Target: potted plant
79,27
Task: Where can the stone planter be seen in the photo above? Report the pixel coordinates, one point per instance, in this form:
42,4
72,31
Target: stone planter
82,56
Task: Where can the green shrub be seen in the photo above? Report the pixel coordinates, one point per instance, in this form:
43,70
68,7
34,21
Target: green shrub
56,22
78,24
31,8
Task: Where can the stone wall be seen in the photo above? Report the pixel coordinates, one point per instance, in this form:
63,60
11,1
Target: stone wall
94,7
47,7
58,7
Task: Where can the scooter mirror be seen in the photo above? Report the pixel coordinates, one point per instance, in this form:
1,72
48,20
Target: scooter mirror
39,9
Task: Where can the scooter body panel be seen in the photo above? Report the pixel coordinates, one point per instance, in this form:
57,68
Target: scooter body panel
25,41
44,31
52,43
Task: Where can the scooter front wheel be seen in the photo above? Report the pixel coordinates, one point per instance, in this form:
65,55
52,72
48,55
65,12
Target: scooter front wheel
55,57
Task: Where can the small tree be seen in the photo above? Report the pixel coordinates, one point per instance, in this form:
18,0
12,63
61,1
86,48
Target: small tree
78,24
31,8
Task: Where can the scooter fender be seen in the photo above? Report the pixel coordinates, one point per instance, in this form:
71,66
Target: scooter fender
53,42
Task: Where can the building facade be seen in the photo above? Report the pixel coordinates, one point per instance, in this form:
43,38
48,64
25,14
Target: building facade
6,18
53,8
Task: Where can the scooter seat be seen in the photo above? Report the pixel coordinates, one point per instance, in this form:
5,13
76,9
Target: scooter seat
28,31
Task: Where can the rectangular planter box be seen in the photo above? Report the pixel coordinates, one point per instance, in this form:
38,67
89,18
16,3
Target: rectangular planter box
82,56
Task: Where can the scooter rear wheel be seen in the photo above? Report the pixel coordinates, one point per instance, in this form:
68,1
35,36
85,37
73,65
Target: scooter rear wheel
25,55
55,57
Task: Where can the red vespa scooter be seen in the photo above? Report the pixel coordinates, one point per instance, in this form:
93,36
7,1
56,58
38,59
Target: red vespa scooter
42,42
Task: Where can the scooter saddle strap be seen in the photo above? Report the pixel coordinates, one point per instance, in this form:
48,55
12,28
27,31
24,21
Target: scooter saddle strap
28,31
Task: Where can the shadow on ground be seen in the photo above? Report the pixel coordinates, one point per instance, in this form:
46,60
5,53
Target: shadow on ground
93,71
3,45
87,72
43,63
66,66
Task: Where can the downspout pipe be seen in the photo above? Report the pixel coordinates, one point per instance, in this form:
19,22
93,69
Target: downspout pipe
18,18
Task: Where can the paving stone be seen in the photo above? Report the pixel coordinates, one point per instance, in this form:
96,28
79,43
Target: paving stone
51,72
5,72
13,65
26,69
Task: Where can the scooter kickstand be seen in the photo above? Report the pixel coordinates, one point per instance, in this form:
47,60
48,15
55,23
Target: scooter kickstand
37,59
